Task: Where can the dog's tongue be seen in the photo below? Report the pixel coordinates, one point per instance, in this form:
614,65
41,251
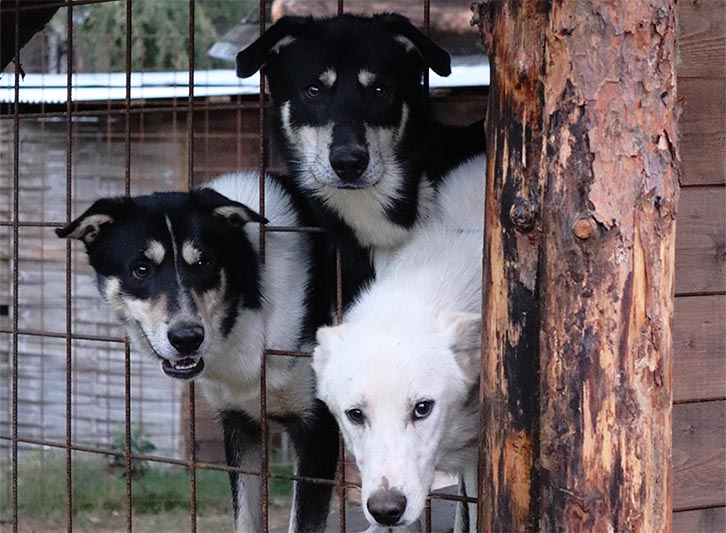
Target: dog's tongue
186,368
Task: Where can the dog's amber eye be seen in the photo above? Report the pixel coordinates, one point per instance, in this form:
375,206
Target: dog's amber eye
313,91
422,409
141,271
355,415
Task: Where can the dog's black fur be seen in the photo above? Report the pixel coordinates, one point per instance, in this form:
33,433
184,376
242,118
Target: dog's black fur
297,56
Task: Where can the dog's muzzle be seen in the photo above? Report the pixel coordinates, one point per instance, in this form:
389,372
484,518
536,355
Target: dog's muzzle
186,368
349,162
387,506
186,338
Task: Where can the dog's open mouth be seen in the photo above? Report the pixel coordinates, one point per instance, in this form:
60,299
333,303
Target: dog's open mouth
357,185
353,186
187,368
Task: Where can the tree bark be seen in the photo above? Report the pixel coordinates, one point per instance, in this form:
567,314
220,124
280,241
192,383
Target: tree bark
582,191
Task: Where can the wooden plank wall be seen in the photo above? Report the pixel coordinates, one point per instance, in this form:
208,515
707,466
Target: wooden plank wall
98,367
699,369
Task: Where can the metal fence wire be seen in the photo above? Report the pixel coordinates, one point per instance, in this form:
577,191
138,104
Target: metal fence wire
131,123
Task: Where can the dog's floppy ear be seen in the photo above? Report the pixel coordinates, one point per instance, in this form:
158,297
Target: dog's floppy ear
330,334
235,213
87,226
464,333
320,358
257,55
326,338
433,56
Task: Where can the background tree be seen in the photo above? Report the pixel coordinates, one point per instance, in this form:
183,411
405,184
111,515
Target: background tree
159,36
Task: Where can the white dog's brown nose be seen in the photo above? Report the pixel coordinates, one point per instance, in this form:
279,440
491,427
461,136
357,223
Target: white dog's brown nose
387,506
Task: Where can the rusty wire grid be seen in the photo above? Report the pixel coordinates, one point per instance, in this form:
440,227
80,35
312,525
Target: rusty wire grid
127,111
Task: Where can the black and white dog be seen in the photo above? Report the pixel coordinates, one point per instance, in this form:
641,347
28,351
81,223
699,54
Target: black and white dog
183,273
356,125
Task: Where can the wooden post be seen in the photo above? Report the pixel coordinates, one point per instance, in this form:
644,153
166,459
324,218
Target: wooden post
581,205
513,33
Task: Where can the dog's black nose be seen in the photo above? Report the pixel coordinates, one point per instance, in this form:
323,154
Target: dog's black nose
349,162
386,506
186,337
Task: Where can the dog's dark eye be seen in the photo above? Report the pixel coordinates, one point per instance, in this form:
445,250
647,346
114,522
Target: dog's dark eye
141,271
356,416
203,263
380,90
422,409
312,91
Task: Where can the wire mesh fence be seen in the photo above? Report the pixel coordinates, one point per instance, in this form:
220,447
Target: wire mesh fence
81,411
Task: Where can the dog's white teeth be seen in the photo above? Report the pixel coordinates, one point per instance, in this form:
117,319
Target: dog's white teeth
185,364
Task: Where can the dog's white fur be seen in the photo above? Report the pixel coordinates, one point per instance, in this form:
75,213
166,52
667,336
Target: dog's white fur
414,335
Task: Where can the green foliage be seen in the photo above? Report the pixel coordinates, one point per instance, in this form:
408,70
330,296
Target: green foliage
139,444
159,33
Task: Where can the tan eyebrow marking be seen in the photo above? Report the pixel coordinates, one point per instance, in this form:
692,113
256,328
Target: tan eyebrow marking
366,77
155,251
328,77
190,254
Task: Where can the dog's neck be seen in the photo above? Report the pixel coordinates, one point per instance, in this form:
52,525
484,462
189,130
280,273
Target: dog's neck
232,374
459,447
374,215
448,146
279,320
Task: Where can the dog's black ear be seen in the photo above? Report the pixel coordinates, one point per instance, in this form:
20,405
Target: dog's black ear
87,226
277,36
233,212
433,56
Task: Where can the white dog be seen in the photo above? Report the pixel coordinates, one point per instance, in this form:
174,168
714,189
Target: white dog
401,373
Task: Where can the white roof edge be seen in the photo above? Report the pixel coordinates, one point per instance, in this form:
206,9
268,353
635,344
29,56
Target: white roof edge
51,88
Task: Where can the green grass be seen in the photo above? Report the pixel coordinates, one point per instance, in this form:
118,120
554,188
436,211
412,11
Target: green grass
280,488
96,489
42,488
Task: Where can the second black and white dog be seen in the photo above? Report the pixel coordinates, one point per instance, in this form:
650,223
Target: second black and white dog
183,273
356,125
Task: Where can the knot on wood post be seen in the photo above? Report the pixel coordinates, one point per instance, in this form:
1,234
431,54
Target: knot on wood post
523,214
584,228
664,206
